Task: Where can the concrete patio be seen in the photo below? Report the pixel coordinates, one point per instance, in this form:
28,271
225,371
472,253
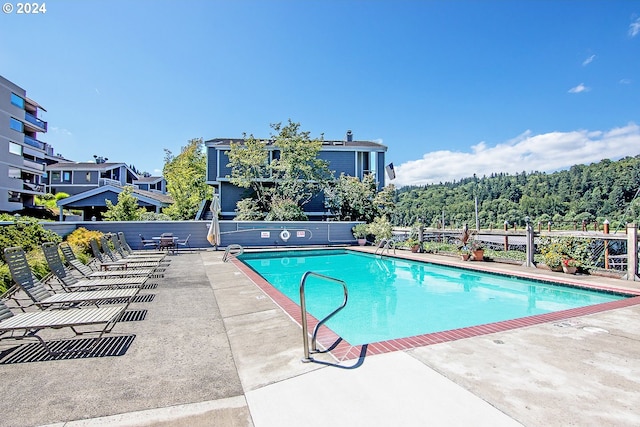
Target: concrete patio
214,350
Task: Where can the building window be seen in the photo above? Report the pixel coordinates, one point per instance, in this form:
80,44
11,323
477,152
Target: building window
66,177
15,148
16,100
14,196
15,173
55,176
16,124
88,177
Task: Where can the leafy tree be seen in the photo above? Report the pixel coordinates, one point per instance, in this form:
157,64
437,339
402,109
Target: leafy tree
249,162
186,180
298,171
350,198
126,209
248,210
152,216
292,174
583,192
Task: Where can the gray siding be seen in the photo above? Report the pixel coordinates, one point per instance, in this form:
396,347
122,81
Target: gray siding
80,177
72,190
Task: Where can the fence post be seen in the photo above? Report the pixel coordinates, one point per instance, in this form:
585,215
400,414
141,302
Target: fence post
632,252
530,248
605,224
506,237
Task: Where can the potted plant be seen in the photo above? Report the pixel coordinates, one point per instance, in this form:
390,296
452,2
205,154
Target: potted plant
553,260
477,250
570,265
465,253
413,244
360,232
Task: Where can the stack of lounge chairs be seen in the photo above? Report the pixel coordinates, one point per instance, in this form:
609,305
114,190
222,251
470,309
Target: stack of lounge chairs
76,296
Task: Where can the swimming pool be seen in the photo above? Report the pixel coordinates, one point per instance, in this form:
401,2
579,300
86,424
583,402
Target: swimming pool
392,298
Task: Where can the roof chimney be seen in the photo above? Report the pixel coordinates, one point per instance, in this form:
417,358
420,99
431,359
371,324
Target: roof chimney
349,136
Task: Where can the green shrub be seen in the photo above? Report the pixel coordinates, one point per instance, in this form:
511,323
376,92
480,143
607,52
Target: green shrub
26,232
360,231
80,240
285,210
381,228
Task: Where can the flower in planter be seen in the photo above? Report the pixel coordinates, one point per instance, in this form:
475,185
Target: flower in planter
475,245
570,262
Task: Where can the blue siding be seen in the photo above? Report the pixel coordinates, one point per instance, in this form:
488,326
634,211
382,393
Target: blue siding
340,161
229,196
224,161
212,164
381,171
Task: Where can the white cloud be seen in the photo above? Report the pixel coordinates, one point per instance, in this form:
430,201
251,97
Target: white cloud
588,61
61,131
580,88
634,28
543,153
625,81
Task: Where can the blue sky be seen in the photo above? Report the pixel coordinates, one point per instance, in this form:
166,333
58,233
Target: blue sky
452,88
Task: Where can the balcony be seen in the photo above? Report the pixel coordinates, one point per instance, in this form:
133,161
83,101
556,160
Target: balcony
106,181
33,165
40,124
30,187
34,142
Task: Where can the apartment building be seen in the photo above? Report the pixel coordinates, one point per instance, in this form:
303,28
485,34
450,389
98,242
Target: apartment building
23,156
348,156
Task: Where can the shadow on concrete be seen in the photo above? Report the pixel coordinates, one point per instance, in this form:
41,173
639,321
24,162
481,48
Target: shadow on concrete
100,347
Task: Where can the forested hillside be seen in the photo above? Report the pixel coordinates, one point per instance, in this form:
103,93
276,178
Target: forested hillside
595,192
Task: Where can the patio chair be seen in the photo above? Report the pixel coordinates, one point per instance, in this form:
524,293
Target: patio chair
110,259
70,282
122,252
27,325
183,243
148,243
125,245
167,243
43,298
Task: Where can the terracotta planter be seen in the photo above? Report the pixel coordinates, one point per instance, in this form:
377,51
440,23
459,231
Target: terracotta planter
569,270
465,257
477,255
415,248
556,268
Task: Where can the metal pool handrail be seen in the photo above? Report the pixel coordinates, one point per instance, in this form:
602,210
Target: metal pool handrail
303,309
386,244
239,250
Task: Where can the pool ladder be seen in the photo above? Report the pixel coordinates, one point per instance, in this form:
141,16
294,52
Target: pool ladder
232,251
303,309
386,245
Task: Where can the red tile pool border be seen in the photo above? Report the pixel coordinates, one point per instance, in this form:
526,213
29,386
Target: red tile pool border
345,351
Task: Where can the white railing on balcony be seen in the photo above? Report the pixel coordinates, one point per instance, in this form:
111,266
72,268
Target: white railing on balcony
106,181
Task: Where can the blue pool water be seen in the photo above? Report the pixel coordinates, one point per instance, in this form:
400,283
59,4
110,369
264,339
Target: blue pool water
391,298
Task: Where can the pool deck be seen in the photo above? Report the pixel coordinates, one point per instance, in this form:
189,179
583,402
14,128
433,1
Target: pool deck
214,349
